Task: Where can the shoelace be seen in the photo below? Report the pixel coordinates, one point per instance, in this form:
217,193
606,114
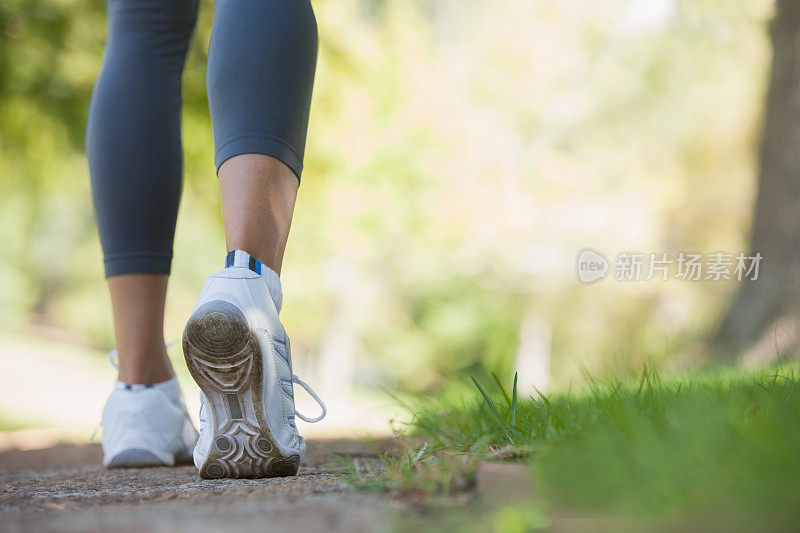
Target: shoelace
282,350
113,358
301,416
310,391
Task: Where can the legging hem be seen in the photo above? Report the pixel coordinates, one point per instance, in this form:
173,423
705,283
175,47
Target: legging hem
138,263
260,144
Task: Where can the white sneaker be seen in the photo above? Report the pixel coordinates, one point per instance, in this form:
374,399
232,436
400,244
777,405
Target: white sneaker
144,427
238,353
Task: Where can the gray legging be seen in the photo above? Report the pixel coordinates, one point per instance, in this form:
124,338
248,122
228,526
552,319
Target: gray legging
261,65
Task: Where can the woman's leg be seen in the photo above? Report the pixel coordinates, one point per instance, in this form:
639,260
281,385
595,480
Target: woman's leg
258,194
261,63
133,144
138,305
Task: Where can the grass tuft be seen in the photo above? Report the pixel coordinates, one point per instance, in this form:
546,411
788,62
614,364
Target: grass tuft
721,444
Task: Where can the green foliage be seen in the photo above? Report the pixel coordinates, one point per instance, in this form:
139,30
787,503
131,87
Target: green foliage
720,446
453,169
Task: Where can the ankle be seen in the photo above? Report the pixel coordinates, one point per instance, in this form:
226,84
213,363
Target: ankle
144,368
145,377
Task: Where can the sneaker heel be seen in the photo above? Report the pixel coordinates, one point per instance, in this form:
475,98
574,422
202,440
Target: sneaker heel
215,342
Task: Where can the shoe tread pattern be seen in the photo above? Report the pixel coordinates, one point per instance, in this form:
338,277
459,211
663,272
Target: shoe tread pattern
225,359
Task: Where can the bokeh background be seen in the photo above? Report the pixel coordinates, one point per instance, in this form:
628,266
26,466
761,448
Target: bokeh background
460,155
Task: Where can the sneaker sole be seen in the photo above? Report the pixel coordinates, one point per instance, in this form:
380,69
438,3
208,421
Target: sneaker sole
225,359
135,458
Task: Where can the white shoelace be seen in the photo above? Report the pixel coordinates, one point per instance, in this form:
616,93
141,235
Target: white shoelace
301,416
113,358
316,398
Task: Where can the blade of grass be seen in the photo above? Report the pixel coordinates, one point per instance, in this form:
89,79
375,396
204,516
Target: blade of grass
502,389
492,409
514,402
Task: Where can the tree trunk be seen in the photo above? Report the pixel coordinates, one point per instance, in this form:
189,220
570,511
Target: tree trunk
765,314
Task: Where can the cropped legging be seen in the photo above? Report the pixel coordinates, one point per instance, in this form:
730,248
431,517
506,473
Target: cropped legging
260,73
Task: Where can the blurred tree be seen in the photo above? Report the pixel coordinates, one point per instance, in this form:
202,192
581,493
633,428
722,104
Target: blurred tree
762,320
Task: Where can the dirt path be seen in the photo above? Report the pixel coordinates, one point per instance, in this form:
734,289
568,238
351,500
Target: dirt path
65,488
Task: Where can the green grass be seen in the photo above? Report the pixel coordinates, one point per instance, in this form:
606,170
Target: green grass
720,447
